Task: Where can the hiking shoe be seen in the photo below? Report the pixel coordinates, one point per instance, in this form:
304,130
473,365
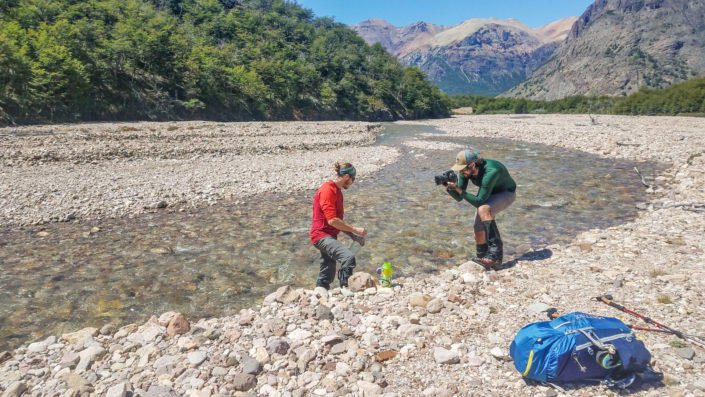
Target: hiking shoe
490,263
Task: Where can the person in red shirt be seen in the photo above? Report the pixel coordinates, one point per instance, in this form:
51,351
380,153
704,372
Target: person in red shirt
328,222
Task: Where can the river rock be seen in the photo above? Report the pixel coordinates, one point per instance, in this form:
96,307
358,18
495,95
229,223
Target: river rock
79,337
244,382
419,300
119,390
445,356
360,281
177,325
16,389
250,366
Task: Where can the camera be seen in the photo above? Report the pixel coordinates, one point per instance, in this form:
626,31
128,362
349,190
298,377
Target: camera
444,178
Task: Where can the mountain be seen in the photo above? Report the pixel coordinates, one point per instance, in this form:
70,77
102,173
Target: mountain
478,56
619,46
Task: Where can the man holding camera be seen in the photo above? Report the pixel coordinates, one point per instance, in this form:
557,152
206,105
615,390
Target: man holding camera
497,191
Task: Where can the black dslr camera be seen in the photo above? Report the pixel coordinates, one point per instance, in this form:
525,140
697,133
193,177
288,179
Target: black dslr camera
444,178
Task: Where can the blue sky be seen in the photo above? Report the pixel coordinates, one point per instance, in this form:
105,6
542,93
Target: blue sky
534,13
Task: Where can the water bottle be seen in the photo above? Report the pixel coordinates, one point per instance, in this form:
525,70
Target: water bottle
385,273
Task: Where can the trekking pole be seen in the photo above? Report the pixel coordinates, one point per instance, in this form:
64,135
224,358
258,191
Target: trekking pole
607,299
649,329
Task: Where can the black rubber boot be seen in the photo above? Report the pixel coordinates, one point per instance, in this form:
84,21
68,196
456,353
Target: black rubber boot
481,252
495,251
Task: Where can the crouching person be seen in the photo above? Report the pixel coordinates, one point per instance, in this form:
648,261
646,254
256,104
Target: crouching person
328,222
496,192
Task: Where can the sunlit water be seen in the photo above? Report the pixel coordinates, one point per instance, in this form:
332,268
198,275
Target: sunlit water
216,260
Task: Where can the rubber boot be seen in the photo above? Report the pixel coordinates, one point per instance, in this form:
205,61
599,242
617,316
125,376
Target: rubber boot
495,252
481,253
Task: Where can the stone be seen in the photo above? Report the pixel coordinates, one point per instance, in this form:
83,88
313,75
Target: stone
160,391
338,348
88,356
286,295
333,339
79,337
321,292
299,334
368,389
324,313
360,281
119,390
244,382
165,318
276,326
4,356
75,381
278,346
15,389
686,352
498,353
250,366
178,325
197,357
385,355
434,306
107,329
419,300
37,347
445,356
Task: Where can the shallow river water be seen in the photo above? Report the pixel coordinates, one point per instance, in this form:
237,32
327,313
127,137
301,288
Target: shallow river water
216,260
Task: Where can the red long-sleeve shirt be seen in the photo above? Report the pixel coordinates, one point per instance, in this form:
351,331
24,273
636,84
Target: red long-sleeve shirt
327,204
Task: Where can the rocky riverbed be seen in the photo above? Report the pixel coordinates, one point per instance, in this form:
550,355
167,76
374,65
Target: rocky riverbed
439,335
94,171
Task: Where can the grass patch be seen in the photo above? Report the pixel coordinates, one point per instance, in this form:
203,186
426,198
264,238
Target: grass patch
692,157
493,310
664,299
677,344
657,272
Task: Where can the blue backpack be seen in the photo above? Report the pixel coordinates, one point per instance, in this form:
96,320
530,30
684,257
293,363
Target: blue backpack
579,347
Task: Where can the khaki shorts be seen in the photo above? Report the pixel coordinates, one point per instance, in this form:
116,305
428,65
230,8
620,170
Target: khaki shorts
498,202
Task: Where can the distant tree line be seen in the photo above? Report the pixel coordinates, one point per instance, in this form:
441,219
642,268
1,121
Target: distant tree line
70,60
685,98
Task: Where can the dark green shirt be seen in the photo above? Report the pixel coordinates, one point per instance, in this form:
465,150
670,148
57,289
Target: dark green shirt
495,179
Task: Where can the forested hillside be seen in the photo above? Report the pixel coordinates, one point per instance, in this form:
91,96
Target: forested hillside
71,60
686,98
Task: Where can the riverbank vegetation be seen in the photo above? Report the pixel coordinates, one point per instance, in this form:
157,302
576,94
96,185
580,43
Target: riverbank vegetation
687,98
92,60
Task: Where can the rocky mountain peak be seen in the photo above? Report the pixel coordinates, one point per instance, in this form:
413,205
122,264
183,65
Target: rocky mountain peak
618,46
479,55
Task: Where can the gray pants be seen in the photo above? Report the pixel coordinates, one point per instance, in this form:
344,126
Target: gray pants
497,203
331,251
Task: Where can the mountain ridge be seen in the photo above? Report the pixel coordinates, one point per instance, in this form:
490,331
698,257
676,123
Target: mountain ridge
617,47
480,55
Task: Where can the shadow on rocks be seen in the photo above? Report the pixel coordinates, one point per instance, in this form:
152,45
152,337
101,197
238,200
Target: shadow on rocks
528,256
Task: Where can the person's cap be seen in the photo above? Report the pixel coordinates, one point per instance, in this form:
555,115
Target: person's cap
464,158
